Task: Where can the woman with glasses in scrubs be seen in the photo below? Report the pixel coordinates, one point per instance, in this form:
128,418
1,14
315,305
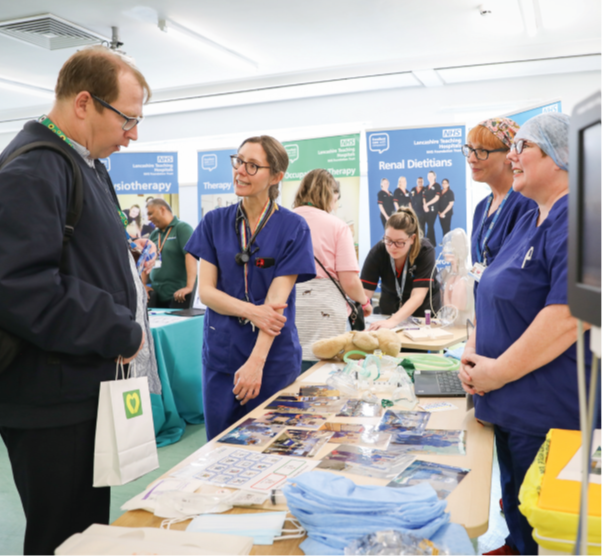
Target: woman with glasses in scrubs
251,254
521,359
494,218
403,262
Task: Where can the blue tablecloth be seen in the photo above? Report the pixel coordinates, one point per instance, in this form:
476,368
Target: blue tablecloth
178,349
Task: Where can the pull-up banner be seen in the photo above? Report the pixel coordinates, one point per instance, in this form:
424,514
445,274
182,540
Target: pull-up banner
143,173
215,185
421,167
340,156
521,117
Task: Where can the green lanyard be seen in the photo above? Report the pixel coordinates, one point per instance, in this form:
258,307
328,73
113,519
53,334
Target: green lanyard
46,121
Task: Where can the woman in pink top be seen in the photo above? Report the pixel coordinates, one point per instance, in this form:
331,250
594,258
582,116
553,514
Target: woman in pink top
321,309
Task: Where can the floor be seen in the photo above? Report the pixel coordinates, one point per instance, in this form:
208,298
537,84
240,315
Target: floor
12,522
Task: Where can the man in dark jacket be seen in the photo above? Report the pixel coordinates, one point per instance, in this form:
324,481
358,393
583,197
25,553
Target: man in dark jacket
75,323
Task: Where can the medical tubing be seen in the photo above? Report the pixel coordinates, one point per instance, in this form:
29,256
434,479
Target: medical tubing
581,540
354,352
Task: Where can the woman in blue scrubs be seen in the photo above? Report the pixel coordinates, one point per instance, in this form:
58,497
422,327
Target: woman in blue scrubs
252,254
487,145
521,360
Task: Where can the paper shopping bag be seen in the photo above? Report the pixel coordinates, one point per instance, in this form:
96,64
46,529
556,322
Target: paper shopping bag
125,446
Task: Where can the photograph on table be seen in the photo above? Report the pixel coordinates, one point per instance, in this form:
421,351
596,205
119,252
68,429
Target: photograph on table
310,421
321,391
366,461
432,441
252,433
443,478
360,408
360,435
404,423
298,443
305,404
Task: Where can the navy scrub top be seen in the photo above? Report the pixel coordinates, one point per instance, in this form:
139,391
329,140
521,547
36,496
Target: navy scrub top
529,273
227,344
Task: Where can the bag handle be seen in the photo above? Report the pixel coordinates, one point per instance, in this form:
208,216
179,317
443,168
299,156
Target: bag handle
354,311
120,367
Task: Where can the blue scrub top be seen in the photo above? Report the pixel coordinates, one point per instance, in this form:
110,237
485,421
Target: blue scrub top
513,290
515,207
227,344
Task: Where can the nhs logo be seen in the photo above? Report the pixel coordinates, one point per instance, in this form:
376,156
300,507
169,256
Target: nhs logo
453,132
348,142
164,159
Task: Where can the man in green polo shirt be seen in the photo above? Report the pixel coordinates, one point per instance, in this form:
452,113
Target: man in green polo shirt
173,277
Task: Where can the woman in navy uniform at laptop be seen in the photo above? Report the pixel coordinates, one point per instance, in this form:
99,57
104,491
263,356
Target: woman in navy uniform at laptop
252,254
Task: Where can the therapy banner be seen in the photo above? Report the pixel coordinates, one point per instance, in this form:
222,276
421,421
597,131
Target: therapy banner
521,117
420,167
143,173
341,157
215,186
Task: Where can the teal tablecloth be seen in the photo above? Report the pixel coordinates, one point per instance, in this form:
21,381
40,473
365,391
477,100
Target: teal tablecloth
178,349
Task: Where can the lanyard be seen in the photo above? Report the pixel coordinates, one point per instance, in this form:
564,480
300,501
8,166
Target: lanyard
403,278
159,244
481,252
47,122
246,242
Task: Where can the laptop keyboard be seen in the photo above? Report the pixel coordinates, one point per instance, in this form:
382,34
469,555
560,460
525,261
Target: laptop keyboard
449,382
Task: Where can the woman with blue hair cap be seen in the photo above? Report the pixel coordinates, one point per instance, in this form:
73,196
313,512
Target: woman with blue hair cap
521,360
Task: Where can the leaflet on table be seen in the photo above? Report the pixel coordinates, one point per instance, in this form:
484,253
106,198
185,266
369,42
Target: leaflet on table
443,478
360,408
252,433
244,469
366,461
319,391
434,407
310,421
298,404
361,435
146,499
298,443
443,442
572,470
160,319
404,423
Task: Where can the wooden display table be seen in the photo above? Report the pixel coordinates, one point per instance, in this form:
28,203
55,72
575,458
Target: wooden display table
468,504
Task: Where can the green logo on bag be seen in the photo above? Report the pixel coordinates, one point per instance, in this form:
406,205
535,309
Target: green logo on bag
132,403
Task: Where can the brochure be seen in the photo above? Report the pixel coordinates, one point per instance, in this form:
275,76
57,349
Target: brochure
443,478
360,435
404,423
311,421
433,441
306,404
299,443
366,461
360,408
252,433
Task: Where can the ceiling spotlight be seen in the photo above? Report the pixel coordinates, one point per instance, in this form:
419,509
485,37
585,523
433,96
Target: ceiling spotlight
485,9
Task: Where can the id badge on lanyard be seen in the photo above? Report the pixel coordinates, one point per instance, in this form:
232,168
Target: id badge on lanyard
477,271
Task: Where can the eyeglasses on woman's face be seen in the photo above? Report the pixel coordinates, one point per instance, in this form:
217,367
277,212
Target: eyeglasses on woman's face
250,167
481,154
398,244
519,146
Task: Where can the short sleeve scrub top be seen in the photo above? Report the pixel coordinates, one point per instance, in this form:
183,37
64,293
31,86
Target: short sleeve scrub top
529,273
282,248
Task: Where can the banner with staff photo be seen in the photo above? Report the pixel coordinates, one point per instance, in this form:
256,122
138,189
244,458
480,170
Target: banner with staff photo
340,155
215,185
418,167
140,177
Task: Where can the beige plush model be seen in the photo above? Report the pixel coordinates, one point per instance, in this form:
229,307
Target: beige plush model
335,348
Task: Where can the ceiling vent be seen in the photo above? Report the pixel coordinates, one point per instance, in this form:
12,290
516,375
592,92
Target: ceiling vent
50,32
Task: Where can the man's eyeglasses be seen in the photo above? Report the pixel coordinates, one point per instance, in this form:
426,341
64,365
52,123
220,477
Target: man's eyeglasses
130,123
519,146
250,167
481,154
390,243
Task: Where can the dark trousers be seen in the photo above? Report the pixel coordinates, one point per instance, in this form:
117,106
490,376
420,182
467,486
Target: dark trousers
516,452
222,409
429,222
445,223
53,472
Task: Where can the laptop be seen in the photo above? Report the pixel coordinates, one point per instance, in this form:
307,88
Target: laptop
438,384
186,312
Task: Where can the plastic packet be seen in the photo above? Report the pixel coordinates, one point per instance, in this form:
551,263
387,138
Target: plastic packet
393,542
181,504
402,387
344,382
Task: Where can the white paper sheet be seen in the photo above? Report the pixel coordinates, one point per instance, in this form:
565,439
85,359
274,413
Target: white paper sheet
572,471
321,375
162,320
